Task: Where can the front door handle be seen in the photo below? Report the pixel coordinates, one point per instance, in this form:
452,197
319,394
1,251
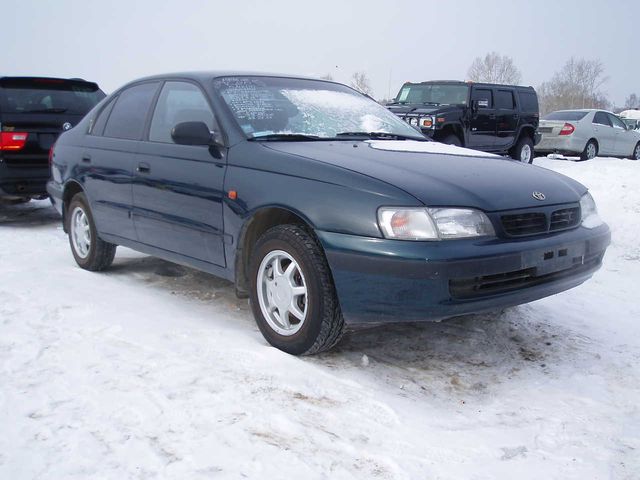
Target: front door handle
143,168
492,116
86,158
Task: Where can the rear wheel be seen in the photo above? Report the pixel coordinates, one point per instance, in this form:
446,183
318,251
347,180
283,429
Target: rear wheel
292,293
452,140
590,150
523,151
89,251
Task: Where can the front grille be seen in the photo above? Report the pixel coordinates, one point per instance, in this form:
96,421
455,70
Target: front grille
564,218
536,223
477,287
524,224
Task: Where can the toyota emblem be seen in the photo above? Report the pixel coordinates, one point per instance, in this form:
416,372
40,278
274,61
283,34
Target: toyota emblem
538,196
66,126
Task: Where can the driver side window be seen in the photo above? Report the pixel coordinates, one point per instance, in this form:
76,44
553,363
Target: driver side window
179,102
617,123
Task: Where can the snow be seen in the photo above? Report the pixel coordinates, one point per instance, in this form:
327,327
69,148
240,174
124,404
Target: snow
152,370
426,147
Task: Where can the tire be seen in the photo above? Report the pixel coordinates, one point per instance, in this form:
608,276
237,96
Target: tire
523,151
302,265
452,140
636,152
90,253
590,150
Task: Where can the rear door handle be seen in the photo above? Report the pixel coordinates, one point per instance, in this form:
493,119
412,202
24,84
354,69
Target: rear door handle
143,168
86,158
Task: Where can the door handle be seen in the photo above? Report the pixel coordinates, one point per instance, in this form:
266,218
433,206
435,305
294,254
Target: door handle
86,158
143,168
492,116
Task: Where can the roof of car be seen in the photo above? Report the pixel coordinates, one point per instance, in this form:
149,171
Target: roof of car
210,74
460,82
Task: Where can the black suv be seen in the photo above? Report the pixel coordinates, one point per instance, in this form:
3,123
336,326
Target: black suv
493,118
33,112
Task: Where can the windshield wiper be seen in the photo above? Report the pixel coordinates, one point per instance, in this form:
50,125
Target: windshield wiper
47,110
397,103
380,136
432,103
285,137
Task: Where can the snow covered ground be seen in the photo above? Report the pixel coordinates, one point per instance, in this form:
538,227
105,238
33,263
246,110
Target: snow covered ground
151,370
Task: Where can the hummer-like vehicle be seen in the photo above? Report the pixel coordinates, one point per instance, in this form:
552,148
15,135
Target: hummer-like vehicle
493,118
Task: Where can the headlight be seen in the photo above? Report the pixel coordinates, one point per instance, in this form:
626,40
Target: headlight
407,223
413,121
426,122
590,217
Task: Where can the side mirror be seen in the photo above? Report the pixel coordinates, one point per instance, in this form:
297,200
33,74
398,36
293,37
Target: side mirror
474,106
193,133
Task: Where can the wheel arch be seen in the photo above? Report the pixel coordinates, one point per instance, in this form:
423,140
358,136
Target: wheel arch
71,188
256,223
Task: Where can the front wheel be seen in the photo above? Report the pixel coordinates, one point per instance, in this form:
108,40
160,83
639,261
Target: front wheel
636,152
452,140
523,151
293,297
89,251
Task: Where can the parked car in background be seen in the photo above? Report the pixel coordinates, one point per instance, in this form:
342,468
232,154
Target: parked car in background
492,118
631,118
33,112
587,133
321,205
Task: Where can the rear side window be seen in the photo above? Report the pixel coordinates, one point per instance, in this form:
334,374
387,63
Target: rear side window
48,95
178,102
504,100
130,111
98,125
528,102
484,97
601,118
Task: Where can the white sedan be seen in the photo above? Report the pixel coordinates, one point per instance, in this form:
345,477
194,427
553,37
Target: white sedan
587,133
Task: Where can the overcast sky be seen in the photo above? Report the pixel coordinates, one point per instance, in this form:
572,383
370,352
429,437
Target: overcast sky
116,41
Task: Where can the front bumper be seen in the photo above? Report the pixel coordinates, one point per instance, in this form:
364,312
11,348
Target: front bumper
380,280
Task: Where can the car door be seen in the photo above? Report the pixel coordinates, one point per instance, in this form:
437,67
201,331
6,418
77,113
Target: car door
604,134
506,119
482,125
624,140
107,158
177,193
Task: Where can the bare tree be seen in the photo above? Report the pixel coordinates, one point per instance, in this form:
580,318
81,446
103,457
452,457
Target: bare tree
576,85
494,68
360,81
632,101
328,76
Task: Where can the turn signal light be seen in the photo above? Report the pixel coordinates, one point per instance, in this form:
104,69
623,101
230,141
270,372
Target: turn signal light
567,129
13,140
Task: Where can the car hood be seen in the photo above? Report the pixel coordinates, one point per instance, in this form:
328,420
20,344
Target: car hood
422,109
444,175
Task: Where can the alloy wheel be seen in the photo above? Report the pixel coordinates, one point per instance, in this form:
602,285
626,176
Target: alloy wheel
80,232
282,292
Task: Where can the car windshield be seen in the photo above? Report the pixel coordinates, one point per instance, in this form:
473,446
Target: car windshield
566,116
276,107
433,94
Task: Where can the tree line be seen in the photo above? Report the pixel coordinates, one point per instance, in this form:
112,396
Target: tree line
577,84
